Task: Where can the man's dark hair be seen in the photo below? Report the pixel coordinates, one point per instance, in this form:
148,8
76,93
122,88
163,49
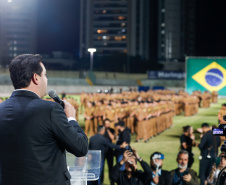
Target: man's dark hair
22,69
205,125
158,153
99,128
106,120
186,128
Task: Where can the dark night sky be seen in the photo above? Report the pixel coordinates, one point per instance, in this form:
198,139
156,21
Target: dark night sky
211,28
58,27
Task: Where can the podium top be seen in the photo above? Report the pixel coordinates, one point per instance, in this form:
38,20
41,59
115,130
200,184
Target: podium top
87,167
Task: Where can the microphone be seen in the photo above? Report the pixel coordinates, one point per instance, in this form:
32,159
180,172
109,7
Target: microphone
52,93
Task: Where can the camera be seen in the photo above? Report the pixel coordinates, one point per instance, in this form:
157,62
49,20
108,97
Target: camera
220,130
186,173
129,148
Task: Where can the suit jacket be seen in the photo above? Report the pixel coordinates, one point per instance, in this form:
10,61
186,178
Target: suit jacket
34,135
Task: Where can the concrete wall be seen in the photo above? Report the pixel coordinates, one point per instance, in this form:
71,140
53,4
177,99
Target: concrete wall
6,90
116,82
165,83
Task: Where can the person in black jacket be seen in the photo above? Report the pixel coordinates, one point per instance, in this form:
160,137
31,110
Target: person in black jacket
123,136
155,175
129,176
109,154
187,140
34,133
183,174
209,148
100,142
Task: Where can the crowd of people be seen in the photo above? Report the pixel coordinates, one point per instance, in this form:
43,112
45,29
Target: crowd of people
110,119
144,113
208,150
125,170
151,113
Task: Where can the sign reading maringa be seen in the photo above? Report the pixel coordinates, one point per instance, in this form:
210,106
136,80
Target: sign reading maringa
171,75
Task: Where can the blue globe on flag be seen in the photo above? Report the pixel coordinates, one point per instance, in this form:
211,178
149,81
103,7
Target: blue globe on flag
214,77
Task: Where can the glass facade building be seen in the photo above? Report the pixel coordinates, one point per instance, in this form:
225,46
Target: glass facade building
17,28
115,26
176,29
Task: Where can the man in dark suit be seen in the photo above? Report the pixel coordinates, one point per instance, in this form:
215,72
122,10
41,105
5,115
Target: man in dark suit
100,142
34,134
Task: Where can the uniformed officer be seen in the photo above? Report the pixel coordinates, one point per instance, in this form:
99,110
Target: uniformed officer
221,113
214,97
88,115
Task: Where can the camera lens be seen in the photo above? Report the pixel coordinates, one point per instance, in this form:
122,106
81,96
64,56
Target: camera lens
224,117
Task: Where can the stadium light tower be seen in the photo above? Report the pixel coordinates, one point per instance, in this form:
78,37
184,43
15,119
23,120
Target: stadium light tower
91,50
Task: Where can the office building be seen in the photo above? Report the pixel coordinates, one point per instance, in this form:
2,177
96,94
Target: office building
17,28
176,29
114,27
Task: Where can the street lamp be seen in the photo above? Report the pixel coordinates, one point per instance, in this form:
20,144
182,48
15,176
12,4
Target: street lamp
91,50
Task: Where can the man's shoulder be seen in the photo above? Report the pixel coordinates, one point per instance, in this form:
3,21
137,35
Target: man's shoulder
165,172
172,172
126,131
48,104
97,136
191,171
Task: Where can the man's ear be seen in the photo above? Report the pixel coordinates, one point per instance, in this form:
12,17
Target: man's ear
35,79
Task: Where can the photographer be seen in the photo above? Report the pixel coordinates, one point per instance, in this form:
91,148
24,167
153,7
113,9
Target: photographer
155,175
209,148
123,136
183,174
129,176
212,179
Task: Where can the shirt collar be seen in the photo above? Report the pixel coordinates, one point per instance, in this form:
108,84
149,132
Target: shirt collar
26,90
159,172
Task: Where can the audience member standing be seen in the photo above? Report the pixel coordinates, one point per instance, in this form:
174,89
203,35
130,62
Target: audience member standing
109,154
99,142
123,136
187,140
208,147
183,175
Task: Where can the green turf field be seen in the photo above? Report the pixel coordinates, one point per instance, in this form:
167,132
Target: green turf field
168,142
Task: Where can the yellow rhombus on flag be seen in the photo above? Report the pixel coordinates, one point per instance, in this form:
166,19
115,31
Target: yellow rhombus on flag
212,77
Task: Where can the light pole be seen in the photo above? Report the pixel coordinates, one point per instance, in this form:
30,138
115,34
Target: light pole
91,50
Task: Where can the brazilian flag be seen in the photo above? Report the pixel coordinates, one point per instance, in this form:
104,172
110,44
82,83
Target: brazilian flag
206,74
